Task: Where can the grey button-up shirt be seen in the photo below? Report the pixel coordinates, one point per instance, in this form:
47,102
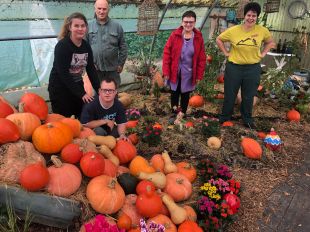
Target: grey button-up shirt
108,44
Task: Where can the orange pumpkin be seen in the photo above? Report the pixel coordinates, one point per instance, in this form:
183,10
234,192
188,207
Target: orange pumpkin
9,131
92,164
26,123
144,185
157,162
71,153
261,135
132,124
74,124
139,164
187,226
125,151
113,198
34,177
196,101
293,115
5,109
52,137
53,117
124,221
251,148
187,170
191,213
178,187
33,103
134,139
85,132
228,123
130,209
65,179
149,204
110,169
165,221
157,126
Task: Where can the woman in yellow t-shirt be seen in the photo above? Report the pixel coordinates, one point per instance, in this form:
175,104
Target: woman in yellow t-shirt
243,68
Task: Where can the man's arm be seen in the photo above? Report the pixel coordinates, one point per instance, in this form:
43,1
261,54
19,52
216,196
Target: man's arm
96,123
121,129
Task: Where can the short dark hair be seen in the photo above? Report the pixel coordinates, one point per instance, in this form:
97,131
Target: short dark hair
108,80
252,6
189,14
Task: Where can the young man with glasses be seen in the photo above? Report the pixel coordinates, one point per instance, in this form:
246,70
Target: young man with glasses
105,114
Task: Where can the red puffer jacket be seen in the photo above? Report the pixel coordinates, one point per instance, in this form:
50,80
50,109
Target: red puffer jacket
172,53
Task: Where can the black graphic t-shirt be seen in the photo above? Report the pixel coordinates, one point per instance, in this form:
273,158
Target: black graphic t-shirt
70,62
94,111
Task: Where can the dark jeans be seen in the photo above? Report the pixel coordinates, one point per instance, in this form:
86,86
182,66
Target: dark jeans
110,74
175,95
247,77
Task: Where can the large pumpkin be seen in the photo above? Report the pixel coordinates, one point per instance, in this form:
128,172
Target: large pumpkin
105,195
26,123
139,164
178,187
71,153
187,170
251,148
65,179
33,103
110,169
5,109
92,164
9,131
125,151
196,101
149,204
52,137
34,177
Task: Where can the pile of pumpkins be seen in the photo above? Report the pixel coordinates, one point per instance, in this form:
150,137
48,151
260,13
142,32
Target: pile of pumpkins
121,182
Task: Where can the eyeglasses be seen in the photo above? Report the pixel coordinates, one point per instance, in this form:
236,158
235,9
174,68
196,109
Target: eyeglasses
108,91
188,22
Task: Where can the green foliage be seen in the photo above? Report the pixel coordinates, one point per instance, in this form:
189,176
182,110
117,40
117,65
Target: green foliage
206,86
151,135
10,222
273,80
208,126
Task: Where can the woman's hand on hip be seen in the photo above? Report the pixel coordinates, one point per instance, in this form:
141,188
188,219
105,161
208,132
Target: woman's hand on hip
87,98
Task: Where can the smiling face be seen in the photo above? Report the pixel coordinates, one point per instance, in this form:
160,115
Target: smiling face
250,18
107,91
101,10
188,24
78,29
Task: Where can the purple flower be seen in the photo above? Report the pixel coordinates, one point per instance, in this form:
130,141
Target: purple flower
205,204
223,171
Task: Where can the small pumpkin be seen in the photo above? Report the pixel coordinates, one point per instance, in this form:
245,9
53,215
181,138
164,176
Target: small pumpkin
129,208
65,179
134,139
143,185
157,162
157,126
52,137
33,103
214,143
187,170
228,123
139,164
53,117
191,213
189,124
9,131
34,177
149,204
125,151
74,125
128,183
85,132
251,148
124,221
187,226
293,115
261,135
113,198
196,101
71,153
92,164
132,124
178,187
26,123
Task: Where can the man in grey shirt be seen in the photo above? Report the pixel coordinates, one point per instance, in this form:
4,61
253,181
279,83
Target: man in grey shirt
107,41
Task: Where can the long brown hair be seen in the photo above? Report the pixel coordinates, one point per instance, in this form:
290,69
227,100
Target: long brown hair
64,31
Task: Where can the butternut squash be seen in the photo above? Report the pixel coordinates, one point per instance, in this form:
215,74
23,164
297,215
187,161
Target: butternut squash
157,178
177,213
108,140
169,165
107,153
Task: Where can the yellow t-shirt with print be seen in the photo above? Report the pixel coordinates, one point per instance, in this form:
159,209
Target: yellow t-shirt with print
245,45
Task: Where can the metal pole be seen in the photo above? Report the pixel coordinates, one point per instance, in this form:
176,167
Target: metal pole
159,23
207,14
28,37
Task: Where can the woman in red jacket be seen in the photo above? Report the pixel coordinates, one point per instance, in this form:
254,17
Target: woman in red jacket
184,61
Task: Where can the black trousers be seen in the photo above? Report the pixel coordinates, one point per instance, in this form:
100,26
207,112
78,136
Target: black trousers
247,77
175,96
